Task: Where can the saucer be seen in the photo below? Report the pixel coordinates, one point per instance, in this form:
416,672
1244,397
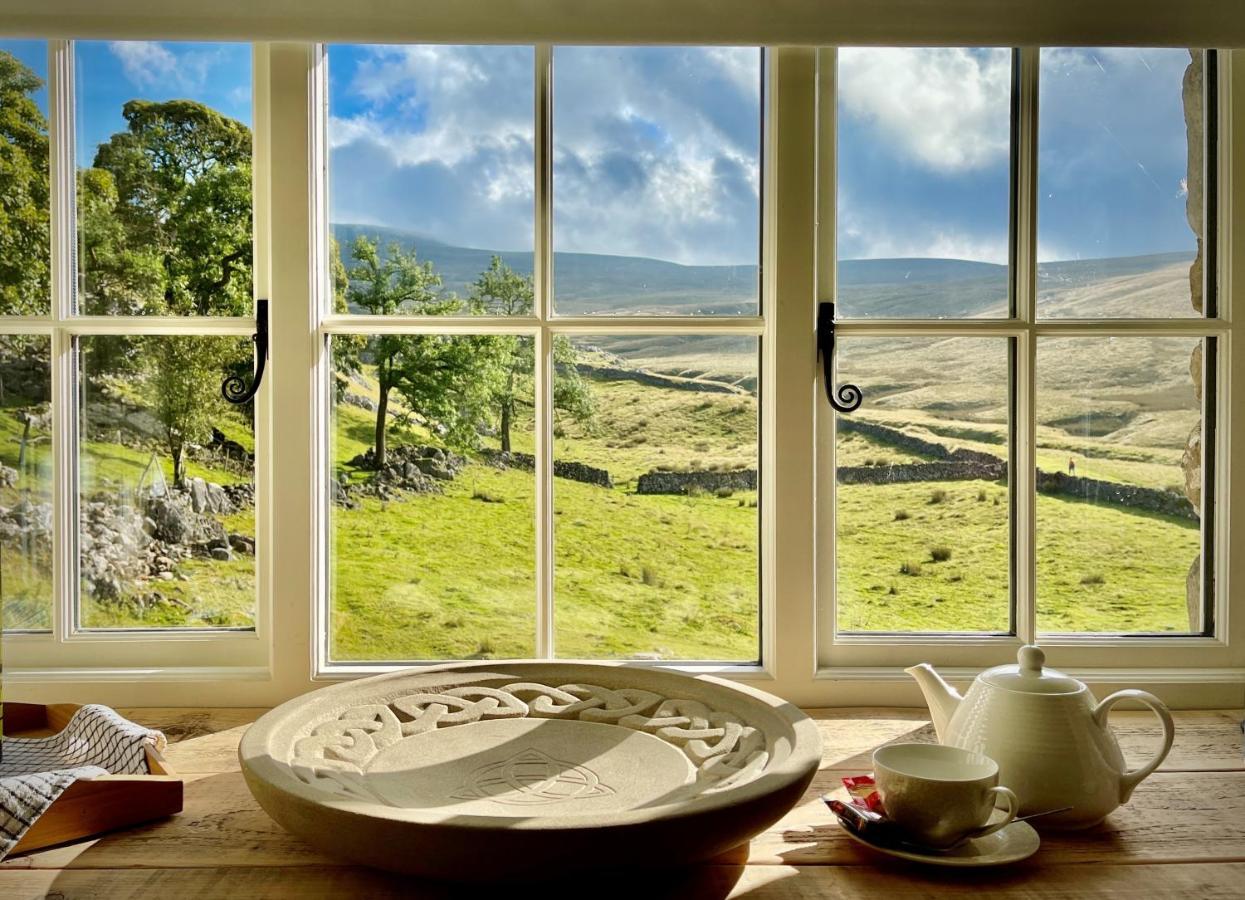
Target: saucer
1008,845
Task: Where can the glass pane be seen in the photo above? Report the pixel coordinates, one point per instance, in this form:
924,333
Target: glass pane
1119,484
431,154
164,178
924,139
655,497
1120,183
922,517
166,505
432,528
25,483
25,249
656,180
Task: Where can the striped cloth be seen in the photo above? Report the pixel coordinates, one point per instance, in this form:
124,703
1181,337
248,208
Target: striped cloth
35,771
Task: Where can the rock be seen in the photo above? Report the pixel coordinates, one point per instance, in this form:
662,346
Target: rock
199,495
221,553
242,544
8,477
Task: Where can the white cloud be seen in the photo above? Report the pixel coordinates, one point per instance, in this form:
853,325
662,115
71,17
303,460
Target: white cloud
150,64
948,109
654,151
145,63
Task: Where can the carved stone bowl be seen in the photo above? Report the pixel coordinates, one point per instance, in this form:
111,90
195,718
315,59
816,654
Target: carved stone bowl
501,770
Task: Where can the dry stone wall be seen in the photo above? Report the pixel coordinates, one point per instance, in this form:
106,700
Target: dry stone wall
683,482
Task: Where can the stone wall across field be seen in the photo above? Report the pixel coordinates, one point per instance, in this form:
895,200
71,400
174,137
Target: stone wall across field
610,373
682,482
973,465
893,437
572,471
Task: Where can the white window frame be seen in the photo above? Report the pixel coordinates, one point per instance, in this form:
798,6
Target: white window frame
1156,658
285,658
68,650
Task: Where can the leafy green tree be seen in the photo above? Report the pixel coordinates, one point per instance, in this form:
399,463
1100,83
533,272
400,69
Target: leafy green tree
436,375
25,276
346,347
501,291
169,226
183,390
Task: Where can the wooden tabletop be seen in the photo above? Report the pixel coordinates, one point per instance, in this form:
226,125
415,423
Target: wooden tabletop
1182,835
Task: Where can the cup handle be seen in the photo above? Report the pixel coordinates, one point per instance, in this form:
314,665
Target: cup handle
1013,807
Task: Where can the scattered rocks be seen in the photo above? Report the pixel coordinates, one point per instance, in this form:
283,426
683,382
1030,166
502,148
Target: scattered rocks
352,399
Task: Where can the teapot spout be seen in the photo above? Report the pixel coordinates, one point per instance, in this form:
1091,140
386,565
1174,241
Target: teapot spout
941,697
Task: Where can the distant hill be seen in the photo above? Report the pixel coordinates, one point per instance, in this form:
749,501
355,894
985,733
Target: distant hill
593,284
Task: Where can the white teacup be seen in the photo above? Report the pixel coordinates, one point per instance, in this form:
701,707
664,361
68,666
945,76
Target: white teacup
940,795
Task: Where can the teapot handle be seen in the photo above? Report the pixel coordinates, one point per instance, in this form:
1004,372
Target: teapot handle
1131,778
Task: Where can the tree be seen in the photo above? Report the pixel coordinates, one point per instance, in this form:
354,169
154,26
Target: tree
501,291
169,229
183,390
422,366
25,275
345,347
166,229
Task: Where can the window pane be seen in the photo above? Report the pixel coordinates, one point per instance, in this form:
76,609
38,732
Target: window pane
433,536
656,180
1119,482
655,498
24,236
166,505
25,483
922,517
430,152
924,139
1120,183
164,178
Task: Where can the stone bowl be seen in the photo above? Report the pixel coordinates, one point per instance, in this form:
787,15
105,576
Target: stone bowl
490,771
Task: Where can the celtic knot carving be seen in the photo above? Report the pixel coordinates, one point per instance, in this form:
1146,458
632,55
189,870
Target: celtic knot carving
724,751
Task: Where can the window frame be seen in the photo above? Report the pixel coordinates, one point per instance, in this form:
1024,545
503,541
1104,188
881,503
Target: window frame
861,654
282,659
179,653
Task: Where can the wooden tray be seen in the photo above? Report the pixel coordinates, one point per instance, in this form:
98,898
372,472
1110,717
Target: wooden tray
93,806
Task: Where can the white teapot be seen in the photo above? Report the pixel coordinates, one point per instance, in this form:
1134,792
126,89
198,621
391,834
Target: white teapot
1047,733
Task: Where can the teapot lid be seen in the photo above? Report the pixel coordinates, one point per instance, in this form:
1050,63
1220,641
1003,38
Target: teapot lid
1028,675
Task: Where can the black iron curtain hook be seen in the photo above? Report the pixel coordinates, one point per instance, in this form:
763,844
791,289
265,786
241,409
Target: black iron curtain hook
233,388
848,397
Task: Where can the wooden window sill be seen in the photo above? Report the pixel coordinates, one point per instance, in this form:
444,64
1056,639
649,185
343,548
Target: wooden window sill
223,844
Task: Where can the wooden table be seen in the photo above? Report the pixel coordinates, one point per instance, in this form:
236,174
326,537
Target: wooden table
1183,834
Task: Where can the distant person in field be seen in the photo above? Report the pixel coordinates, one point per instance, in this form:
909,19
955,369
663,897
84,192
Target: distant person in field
1071,467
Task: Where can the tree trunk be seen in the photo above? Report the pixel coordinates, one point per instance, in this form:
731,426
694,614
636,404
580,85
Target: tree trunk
178,464
507,408
382,411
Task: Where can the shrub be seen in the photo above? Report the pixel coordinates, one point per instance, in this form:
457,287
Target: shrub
996,501
695,490
956,578
701,446
981,495
484,648
723,492
893,590
912,567
937,497
1094,578
649,576
902,515
940,553
485,496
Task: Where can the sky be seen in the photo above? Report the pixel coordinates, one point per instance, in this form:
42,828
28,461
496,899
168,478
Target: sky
656,150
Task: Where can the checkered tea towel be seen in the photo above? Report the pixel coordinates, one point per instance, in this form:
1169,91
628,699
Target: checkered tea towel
35,771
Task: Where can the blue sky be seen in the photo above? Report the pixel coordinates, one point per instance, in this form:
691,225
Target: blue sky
656,149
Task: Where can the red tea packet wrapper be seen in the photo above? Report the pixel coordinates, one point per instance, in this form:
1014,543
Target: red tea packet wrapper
863,793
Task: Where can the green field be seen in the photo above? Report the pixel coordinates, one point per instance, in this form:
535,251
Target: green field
453,575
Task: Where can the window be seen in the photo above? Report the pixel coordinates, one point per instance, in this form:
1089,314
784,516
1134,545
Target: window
1045,476
554,475
542,376
129,506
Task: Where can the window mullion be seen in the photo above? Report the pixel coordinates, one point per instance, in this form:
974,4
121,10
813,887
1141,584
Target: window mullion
1024,425
542,265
